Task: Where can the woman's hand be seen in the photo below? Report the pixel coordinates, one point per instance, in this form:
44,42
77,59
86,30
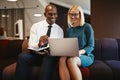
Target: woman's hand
82,51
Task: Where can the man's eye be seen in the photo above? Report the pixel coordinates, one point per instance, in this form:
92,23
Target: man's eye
51,14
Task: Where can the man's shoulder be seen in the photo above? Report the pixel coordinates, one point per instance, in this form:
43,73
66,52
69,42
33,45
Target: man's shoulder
58,27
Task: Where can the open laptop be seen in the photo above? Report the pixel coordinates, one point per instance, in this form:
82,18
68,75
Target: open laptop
63,46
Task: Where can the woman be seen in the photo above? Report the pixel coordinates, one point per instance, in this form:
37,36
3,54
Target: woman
69,66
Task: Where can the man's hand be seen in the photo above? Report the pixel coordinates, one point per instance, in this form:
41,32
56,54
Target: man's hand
43,40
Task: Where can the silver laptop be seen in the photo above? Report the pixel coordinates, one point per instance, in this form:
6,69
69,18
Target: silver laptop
63,47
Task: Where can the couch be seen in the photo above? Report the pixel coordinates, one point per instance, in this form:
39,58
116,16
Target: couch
105,67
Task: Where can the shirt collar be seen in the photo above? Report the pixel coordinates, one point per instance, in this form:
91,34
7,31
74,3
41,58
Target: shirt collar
49,24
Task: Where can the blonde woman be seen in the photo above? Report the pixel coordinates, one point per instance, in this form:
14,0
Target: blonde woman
69,66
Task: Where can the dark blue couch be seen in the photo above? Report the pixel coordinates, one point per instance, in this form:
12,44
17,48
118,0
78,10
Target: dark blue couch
107,60
105,67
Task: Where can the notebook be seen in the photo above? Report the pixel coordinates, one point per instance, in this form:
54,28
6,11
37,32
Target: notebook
63,47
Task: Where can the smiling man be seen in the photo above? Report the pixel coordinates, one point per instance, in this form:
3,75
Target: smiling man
39,38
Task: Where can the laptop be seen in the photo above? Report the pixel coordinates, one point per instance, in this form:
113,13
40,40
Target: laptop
63,47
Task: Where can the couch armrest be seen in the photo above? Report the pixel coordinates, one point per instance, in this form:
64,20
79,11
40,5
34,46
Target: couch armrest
9,72
25,46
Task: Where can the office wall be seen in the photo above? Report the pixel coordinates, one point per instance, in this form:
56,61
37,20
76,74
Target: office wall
10,17
105,18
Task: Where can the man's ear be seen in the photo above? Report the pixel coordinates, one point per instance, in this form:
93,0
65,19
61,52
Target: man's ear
45,14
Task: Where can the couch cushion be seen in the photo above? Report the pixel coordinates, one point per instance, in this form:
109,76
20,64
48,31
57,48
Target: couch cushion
97,50
118,41
115,66
109,49
100,71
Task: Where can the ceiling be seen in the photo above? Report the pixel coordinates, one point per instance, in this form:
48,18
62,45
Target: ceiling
35,6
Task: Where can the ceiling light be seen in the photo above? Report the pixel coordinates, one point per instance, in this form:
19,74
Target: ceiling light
5,16
37,15
11,0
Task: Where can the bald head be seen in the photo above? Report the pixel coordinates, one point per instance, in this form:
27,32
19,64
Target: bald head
51,13
50,7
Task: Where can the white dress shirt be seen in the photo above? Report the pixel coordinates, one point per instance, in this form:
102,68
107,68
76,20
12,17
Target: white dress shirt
39,29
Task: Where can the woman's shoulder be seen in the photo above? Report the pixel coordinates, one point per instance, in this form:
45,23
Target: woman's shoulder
88,27
87,24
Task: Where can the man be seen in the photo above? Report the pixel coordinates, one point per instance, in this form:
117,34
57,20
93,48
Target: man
38,38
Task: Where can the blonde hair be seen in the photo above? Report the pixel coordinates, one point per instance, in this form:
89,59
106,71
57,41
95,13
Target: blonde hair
76,7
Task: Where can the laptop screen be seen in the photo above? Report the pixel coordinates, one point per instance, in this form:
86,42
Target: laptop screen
63,46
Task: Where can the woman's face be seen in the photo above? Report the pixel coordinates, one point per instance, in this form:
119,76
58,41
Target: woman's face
74,17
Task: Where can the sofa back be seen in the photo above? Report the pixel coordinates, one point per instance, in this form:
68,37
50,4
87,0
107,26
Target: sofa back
118,41
106,49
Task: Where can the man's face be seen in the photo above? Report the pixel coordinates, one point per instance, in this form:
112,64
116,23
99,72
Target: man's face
51,15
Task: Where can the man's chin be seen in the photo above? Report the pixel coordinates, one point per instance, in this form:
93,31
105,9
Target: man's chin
52,21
